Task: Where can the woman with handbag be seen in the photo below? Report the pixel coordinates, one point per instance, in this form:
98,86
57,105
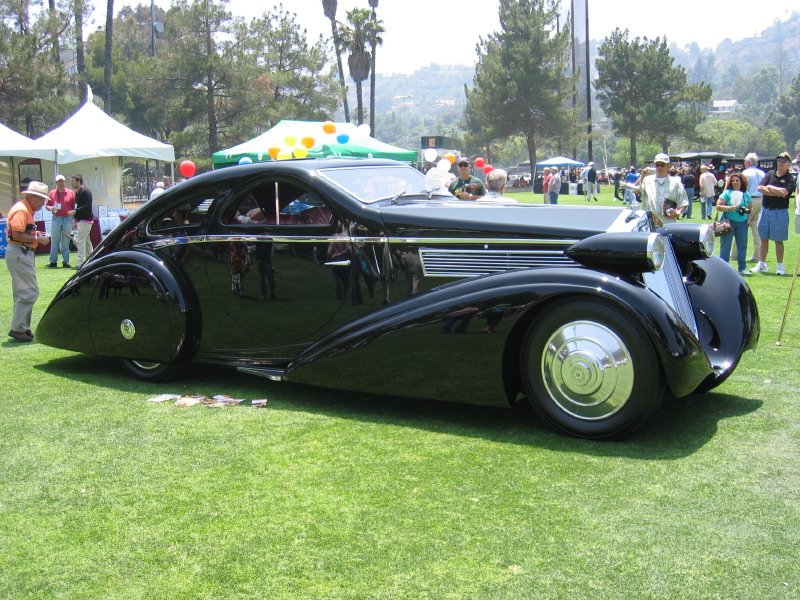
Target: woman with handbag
734,204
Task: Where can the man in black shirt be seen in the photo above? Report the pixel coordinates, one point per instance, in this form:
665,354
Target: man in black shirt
773,223
84,218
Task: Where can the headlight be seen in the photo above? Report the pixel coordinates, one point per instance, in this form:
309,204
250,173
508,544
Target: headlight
690,241
656,250
621,253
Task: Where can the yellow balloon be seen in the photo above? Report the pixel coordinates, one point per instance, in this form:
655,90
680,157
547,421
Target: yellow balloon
290,140
451,158
300,152
284,155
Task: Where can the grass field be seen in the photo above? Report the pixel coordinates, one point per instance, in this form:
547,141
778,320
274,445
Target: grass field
335,495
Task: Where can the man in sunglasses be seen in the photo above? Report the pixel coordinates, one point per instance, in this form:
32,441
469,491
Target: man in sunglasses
663,195
466,187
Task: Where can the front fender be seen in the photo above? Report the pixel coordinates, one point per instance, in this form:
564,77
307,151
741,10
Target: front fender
726,313
418,340
132,304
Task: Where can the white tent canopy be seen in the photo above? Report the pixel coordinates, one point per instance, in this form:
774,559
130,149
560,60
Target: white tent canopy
16,144
91,133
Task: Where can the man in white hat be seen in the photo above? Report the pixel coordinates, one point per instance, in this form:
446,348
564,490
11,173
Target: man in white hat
662,195
22,241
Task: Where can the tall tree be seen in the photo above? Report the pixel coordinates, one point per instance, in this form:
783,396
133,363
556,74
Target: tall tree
787,117
329,8
108,53
644,93
520,84
374,41
80,56
354,37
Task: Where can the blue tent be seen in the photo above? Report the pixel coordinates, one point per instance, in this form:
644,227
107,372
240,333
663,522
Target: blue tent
560,161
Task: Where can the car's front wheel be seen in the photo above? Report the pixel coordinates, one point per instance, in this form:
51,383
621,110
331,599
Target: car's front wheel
153,372
590,371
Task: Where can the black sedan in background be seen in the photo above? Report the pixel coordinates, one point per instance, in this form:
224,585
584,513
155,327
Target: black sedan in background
354,274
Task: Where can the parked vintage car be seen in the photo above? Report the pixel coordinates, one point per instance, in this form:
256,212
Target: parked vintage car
348,273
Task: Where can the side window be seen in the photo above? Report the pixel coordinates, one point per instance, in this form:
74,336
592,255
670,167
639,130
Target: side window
278,203
187,215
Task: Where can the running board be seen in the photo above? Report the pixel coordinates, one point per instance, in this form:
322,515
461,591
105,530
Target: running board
269,373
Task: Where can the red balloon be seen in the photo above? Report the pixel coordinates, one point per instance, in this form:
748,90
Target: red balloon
187,168
488,169
480,162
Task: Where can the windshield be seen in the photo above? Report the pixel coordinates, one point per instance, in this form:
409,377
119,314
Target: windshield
370,184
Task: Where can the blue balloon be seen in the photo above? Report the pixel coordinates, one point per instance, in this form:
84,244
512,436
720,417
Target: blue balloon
343,138
245,160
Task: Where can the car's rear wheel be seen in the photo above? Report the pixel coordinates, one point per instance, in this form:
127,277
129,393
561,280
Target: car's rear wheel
590,371
152,372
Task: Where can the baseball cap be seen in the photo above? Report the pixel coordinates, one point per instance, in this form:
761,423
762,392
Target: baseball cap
464,159
784,156
591,164
60,177
661,157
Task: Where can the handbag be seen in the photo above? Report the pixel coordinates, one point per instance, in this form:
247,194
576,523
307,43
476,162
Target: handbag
721,226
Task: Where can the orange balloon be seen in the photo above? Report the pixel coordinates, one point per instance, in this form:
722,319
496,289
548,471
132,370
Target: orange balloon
307,141
451,158
273,152
328,127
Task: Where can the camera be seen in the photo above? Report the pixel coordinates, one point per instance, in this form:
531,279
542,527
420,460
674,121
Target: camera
743,210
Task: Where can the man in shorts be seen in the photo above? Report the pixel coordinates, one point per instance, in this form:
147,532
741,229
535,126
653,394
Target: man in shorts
773,224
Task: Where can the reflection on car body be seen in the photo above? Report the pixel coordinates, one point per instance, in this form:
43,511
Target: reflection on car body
350,273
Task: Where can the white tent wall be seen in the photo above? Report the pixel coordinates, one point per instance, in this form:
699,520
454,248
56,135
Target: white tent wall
7,184
103,176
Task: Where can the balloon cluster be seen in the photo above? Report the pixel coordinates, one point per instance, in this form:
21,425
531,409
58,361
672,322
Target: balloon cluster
480,163
293,148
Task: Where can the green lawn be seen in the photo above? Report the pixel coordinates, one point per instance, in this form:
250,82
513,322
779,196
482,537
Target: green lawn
336,495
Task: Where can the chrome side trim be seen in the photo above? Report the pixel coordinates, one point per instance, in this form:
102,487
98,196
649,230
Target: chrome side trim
471,263
272,374
669,285
332,239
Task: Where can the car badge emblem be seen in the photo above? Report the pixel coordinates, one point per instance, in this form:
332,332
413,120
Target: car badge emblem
127,328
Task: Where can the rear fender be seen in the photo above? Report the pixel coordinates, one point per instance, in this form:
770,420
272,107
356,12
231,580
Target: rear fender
132,304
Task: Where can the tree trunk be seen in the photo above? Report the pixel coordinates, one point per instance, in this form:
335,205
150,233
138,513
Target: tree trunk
372,89
341,70
80,56
212,116
633,148
359,93
109,42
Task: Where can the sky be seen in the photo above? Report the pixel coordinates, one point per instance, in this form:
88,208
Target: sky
421,32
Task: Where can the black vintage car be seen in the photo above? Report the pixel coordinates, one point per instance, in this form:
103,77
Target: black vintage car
348,273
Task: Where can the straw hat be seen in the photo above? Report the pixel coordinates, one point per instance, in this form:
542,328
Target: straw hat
37,188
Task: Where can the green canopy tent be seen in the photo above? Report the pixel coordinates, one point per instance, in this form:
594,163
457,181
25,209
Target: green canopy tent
358,143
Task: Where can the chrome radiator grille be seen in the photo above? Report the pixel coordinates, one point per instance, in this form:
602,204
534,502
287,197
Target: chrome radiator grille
669,286
471,263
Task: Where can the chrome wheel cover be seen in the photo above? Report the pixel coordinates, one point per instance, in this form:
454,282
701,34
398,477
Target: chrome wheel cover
146,365
587,370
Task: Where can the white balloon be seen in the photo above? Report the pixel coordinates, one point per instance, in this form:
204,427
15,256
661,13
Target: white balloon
363,129
429,155
443,165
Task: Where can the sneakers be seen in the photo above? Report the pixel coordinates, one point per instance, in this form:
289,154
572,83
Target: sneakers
744,272
761,267
66,265
51,265
779,270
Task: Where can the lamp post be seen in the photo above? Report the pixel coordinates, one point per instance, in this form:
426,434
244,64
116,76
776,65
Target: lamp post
405,102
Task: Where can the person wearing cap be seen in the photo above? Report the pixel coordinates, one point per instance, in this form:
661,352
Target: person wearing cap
554,189
62,205
466,186
773,223
22,241
84,218
662,195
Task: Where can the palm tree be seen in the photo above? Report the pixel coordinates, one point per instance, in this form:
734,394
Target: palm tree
374,41
355,38
329,8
